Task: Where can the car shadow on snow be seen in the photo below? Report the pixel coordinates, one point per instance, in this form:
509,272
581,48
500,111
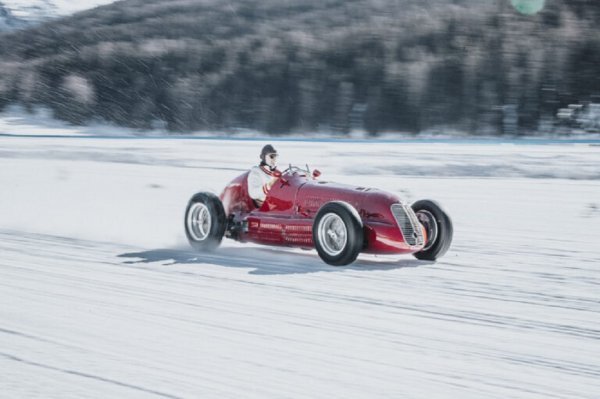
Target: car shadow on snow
264,261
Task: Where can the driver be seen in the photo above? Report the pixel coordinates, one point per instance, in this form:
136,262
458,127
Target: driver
262,177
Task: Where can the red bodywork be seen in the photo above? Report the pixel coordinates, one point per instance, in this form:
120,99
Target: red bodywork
286,217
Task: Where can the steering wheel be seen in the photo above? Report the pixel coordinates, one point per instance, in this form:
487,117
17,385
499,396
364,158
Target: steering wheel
292,169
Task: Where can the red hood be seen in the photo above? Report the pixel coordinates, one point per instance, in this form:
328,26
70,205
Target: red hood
371,203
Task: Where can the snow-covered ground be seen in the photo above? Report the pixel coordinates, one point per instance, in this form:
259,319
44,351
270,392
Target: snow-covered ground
101,297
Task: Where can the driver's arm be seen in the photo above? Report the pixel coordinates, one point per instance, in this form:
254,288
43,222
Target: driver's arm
271,182
256,188
259,186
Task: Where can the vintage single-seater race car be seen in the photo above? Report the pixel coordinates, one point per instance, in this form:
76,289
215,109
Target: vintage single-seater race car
340,221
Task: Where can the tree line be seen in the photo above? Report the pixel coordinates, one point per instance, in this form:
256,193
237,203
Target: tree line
329,65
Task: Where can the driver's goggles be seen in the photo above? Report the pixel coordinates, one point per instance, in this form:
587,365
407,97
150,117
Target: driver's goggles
272,156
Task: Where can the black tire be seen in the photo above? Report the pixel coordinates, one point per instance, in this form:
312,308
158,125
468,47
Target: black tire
329,248
439,229
209,236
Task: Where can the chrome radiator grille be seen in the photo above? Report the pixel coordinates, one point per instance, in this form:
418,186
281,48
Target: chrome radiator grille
408,223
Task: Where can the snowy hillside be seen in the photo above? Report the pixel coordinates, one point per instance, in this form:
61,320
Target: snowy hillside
100,295
32,11
8,21
39,10
16,14
67,7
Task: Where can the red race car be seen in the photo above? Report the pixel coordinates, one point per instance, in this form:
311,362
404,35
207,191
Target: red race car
340,221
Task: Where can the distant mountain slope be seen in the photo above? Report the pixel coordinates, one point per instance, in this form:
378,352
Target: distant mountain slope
280,66
8,21
16,14
32,11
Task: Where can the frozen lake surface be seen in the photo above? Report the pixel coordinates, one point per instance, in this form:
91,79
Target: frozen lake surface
100,296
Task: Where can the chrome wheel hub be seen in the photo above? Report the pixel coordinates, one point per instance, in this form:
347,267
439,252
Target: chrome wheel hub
428,221
199,221
333,234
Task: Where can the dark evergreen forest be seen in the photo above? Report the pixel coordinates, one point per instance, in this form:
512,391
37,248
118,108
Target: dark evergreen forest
282,66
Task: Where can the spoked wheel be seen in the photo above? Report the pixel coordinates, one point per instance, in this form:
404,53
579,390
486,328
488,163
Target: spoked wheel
205,221
337,234
428,221
333,234
199,221
438,227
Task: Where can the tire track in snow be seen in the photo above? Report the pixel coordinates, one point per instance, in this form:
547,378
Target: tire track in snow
90,376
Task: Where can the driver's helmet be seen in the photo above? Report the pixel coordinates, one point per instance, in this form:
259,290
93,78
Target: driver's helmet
268,156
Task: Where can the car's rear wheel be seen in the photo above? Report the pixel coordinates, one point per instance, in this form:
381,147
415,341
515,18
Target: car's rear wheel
205,221
437,225
337,233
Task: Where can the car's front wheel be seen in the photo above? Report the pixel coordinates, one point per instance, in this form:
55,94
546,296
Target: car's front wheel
205,221
337,233
437,225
